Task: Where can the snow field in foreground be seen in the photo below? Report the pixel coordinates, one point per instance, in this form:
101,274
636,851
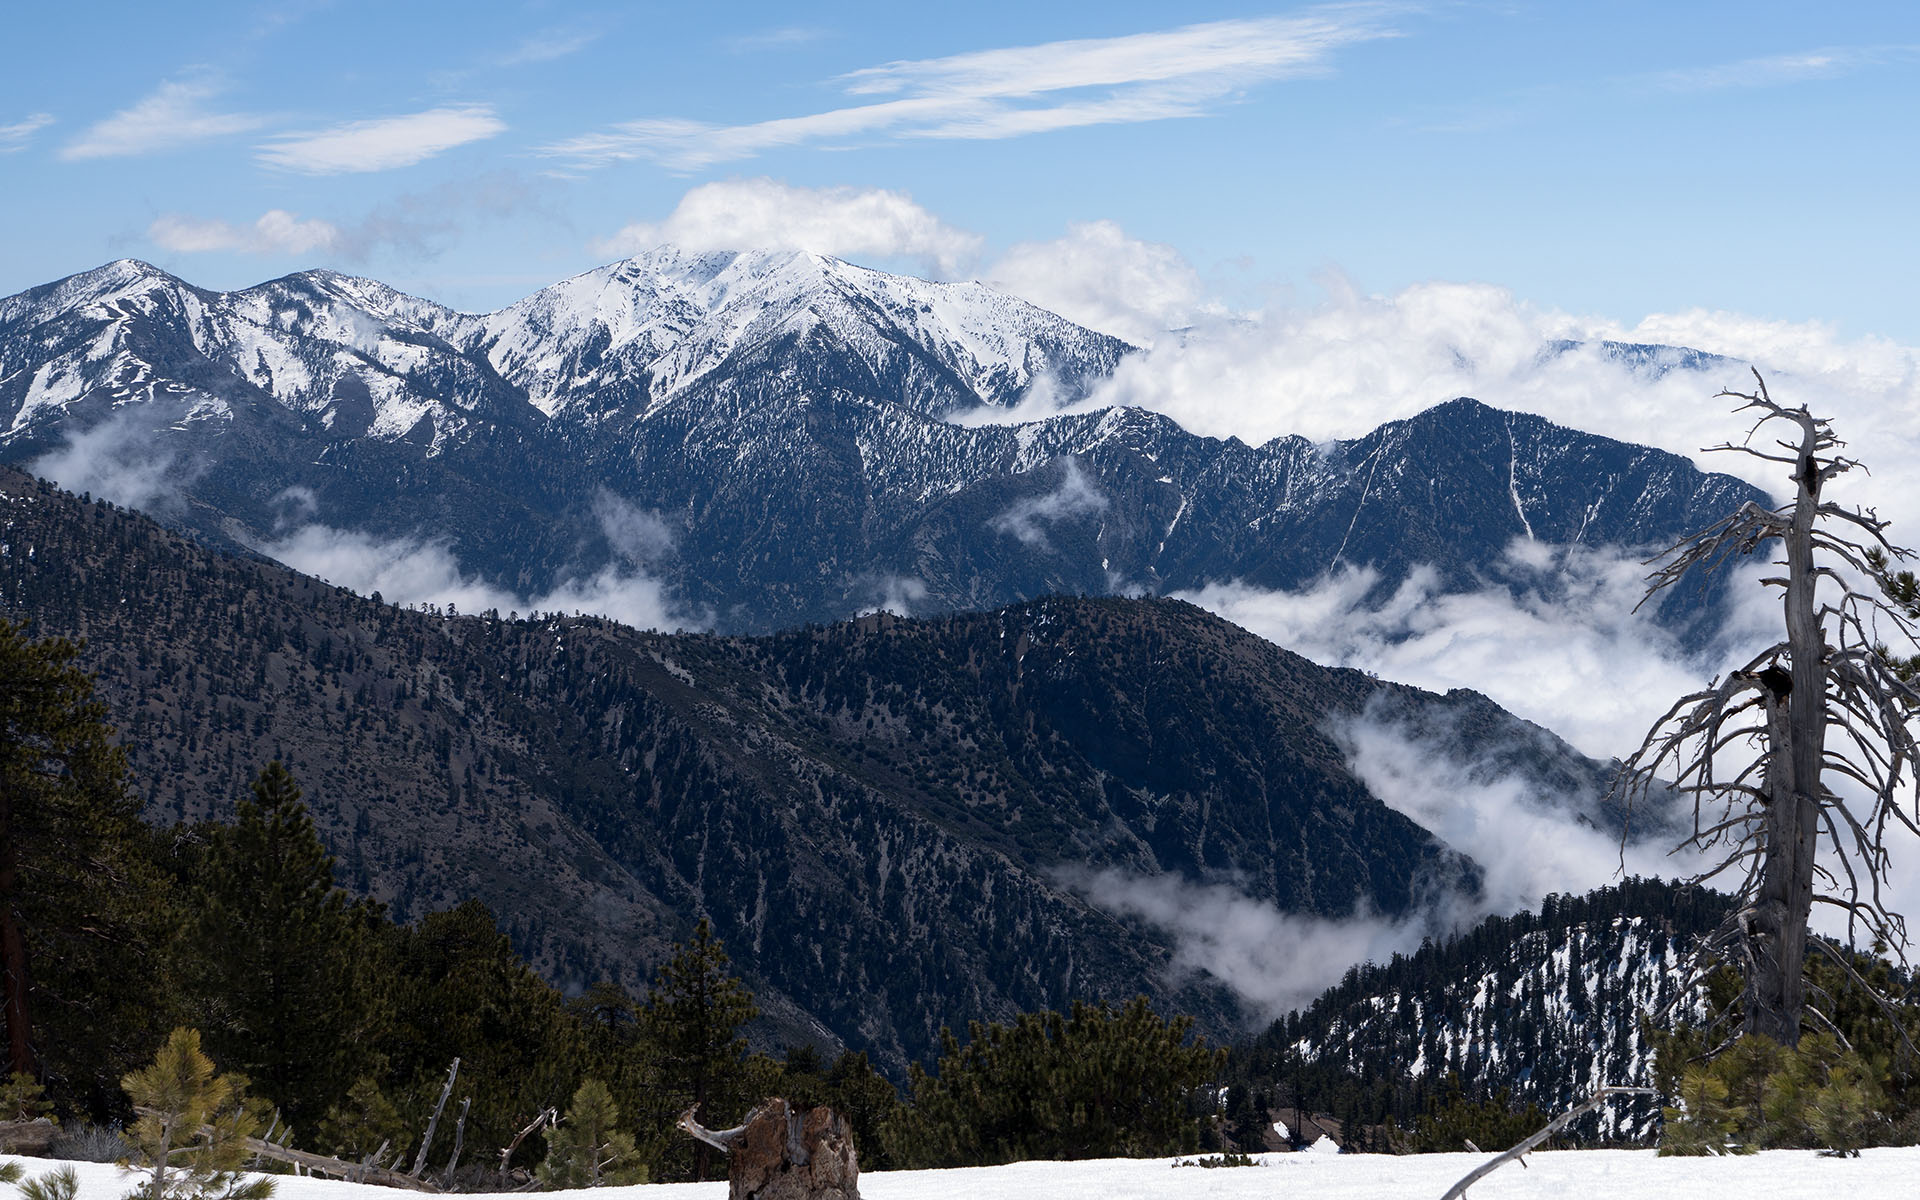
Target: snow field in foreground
1613,1174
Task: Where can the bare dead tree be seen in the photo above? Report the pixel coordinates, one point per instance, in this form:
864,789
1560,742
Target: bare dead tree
1757,750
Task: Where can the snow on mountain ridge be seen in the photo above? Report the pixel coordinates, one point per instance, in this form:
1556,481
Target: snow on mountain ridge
672,317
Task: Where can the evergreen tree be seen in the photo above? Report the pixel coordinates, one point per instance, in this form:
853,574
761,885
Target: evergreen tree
1098,1083
279,959
193,1127
695,1011
588,1148
83,915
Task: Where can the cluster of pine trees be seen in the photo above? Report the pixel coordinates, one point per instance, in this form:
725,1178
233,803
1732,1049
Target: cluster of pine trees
122,940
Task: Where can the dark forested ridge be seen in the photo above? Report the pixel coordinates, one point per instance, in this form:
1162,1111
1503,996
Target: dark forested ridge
874,815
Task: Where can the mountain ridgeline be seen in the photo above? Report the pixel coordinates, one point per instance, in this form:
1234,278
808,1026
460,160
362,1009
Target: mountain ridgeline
884,819
772,438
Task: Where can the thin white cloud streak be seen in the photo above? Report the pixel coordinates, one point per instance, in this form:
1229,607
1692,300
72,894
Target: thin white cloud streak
275,232
1075,496
548,46
766,214
175,114
774,39
1018,90
1099,277
384,143
1553,638
19,134
1776,70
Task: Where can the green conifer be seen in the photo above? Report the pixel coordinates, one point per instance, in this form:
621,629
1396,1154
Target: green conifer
695,1012
193,1126
280,961
588,1148
80,901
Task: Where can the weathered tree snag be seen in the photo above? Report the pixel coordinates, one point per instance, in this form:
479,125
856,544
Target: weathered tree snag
783,1154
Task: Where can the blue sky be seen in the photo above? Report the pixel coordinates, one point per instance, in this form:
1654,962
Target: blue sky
1610,159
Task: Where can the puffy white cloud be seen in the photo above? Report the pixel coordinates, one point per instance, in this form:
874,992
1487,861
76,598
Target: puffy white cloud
845,222
276,232
176,114
1099,277
382,143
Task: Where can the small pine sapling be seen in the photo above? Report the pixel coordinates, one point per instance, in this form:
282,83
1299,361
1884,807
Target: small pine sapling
192,1134
587,1149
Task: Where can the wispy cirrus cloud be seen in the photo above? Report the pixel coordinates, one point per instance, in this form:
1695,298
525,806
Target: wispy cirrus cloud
548,45
383,143
774,39
276,232
1019,90
176,113
1775,70
16,135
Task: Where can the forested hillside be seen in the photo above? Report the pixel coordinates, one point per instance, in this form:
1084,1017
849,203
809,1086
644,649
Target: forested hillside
874,815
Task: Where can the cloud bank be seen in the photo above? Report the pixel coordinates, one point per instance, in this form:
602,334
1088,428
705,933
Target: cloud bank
276,232
1099,277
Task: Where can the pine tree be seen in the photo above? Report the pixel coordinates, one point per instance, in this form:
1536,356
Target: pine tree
280,961
83,914
695,1011
193,1127
588,1148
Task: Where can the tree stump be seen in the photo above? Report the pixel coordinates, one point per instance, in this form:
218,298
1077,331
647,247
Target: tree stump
781,1153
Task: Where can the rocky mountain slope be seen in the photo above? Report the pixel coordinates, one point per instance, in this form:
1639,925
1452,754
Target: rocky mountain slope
883,818
782,428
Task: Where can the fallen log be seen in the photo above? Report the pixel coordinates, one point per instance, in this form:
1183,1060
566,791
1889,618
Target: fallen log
780,1153
27,1137
325,1165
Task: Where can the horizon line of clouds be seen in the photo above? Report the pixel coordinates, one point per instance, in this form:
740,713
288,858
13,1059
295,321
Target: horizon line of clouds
1017,90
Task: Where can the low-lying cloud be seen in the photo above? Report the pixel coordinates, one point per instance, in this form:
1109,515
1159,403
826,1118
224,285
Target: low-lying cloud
426,571
1553,638
1028,517
123,459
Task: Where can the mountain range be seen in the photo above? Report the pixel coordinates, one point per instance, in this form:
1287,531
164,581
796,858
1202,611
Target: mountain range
890,822
749,441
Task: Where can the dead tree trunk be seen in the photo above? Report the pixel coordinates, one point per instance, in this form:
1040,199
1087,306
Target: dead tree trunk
783,1154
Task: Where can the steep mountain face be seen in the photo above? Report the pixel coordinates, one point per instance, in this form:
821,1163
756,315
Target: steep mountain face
784,422
884,819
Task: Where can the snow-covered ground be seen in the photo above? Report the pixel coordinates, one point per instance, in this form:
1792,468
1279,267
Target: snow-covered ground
1613,1174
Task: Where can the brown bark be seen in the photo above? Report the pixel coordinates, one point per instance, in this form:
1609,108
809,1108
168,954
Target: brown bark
781,1153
